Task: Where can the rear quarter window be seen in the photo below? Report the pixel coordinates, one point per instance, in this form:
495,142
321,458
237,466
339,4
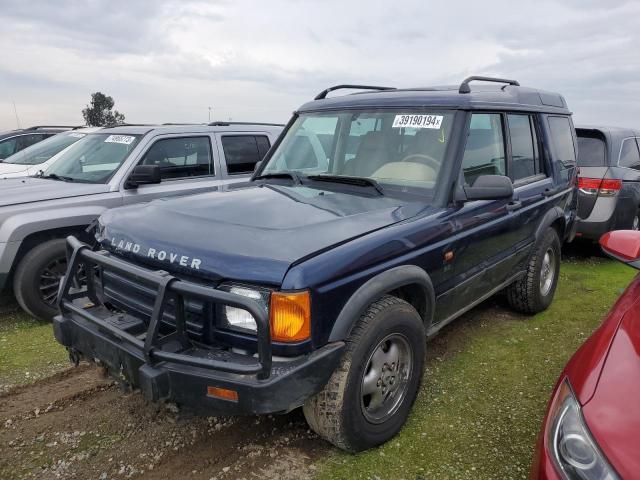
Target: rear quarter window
591,149
562,138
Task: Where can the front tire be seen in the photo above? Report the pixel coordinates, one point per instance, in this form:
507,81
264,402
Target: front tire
534,292
37,279
368,398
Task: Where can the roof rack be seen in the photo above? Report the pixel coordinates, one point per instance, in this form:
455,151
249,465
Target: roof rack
323,94
464,86
130,125
226,124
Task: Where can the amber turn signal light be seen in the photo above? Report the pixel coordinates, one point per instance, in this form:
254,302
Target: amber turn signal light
290,316
222,393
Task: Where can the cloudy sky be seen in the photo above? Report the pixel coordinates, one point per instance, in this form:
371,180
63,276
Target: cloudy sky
168,61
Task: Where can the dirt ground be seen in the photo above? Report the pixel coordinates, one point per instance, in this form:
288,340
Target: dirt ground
77,424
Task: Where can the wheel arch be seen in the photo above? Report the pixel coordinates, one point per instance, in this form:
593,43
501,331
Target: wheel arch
409,282
555,219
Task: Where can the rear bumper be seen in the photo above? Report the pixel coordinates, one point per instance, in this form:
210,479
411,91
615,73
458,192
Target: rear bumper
609,213
288,386
169,365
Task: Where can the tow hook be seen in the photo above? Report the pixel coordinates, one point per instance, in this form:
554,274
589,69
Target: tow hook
74,356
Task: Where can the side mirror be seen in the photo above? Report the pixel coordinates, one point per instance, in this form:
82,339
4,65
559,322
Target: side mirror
489,187
144,175
623,245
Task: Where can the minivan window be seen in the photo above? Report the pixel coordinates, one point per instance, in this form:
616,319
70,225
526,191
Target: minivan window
7,147
629,154
591,150
43,151
562,139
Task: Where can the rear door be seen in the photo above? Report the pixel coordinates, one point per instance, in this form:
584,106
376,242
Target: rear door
188,164
531,180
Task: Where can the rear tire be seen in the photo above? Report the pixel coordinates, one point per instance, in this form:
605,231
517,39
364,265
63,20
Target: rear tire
368,398
37,278
635,223
534,292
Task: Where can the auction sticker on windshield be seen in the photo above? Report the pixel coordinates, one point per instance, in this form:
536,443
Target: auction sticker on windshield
124,139
417,121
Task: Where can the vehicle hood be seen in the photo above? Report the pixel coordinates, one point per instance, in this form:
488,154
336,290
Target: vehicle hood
613,413
14,191
12,168
250,234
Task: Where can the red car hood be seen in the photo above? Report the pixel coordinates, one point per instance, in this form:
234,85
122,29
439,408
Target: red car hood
605,375
613,413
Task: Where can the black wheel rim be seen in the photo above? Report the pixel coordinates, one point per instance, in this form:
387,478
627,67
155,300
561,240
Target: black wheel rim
49,280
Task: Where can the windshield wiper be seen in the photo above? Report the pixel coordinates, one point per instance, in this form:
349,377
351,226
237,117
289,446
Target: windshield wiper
358,181
292,175
54,176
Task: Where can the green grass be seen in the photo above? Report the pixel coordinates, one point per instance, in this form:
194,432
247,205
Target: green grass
488,379
28,350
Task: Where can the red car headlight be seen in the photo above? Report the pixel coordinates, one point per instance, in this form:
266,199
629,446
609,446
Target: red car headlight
570,445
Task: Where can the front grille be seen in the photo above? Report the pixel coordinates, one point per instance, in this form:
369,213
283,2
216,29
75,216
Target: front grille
137,299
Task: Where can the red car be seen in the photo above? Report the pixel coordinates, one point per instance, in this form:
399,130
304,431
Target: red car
592,426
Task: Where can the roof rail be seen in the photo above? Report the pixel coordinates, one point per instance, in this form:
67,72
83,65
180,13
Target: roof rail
464,86
323,94
36,127
130,125
226,124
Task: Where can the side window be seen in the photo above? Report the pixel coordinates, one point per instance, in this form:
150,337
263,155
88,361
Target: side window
484,152
7,148
242,152
629,154
181,157
562,139
25,141
524,147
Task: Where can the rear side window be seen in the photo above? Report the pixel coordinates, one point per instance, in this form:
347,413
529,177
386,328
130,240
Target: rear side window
181,157
524,148
242,152
562,139
484,152
629,154
591,150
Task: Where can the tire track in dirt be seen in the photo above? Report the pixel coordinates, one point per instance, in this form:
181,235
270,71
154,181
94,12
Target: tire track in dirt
76,424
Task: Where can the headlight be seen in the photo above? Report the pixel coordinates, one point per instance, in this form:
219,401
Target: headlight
573,449
237,318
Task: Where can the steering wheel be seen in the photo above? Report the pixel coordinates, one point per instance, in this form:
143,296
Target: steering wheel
430,161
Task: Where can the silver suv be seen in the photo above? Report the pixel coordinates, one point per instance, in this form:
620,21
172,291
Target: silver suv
113,167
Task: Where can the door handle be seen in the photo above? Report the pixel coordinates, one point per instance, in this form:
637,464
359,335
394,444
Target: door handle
514,205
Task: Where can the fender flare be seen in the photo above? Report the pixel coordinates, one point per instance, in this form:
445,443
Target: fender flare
377,286
551,216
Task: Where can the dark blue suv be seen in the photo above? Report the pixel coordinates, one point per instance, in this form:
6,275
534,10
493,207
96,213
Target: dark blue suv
376,219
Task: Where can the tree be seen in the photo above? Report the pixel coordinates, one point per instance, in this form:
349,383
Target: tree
100,113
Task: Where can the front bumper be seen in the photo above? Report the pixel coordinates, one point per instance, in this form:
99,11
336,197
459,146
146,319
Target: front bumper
171,367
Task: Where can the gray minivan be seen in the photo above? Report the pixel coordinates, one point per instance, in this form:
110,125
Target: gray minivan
609,180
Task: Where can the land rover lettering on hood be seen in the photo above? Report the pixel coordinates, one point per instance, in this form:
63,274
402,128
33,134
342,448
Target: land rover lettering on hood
376,219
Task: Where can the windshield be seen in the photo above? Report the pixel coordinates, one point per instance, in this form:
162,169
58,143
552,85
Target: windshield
403,148
44,150
94,158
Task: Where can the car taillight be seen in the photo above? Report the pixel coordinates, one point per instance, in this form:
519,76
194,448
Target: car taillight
595,186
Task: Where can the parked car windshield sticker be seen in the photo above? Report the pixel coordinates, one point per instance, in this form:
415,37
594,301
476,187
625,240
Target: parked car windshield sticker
125,139
77,135
417,121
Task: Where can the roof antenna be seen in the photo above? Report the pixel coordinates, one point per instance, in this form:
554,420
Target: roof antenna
15,110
